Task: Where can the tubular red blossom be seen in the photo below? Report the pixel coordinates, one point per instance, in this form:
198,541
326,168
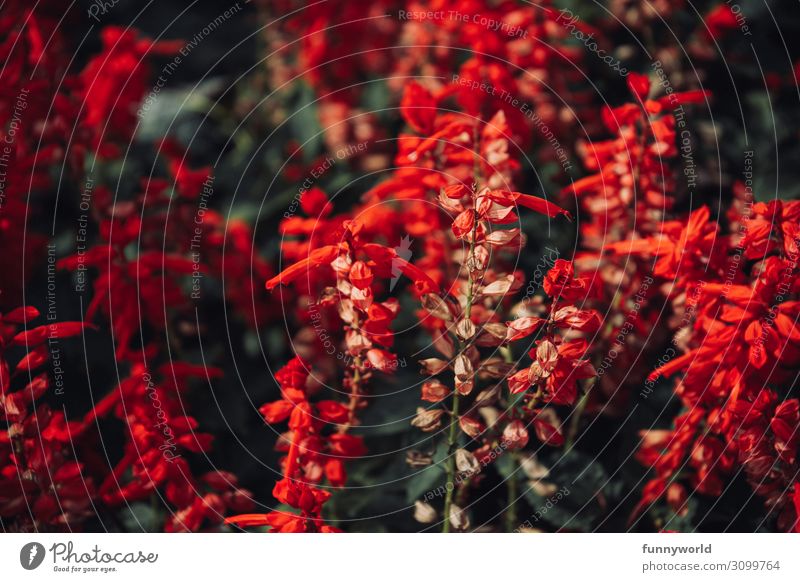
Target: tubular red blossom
639,85
316,258
39,335
418,108
547,433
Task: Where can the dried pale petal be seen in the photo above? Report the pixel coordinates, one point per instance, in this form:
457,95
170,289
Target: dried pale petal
463,368
444,345
382,360
502,237
495,368
470,425
534,469
416,459
341,265
451,205
465,329
515,435
458,518
437,306
543,489
344,287
498,288
482,204
434,391
424,512
564,313
432,366
466,462
427,420
498,213
547,356
490,415
362,298
536,373
356,341
464,387
488,397
492,335
479,259
587,321
346,310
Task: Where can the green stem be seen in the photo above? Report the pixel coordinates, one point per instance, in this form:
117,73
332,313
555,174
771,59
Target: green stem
452,437
574,424
451,464
513,492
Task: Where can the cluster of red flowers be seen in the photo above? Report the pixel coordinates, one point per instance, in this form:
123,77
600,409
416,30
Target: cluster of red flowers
41,482
710,293
734,318
311,456
142,253
630,190
454,183
39,477
740,350
517,55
